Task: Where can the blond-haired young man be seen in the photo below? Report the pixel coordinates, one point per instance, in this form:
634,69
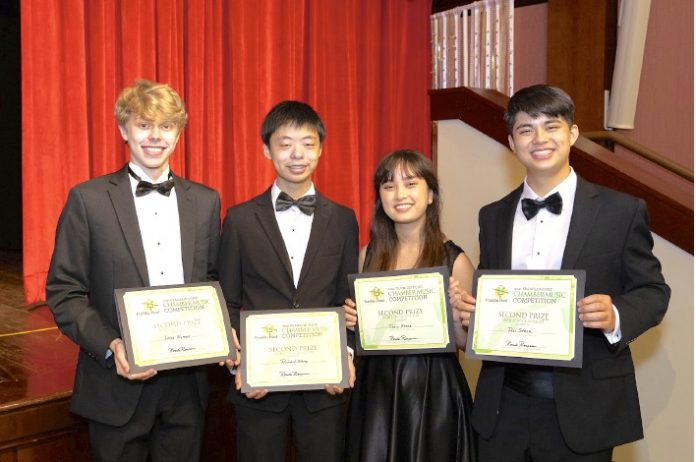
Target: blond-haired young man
138,226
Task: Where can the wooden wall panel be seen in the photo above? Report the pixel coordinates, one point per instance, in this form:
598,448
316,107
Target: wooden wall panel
580,46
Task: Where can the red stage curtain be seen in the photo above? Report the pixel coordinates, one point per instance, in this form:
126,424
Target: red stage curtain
362,64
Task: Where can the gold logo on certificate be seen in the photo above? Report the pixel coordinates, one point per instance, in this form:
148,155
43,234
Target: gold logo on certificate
270,331
376,293
500,292
150,306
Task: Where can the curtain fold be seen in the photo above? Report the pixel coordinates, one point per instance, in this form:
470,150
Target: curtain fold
362,64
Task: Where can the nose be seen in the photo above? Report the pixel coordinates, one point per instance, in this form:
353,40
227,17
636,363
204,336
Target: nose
296,152
400,191
155,132
540,135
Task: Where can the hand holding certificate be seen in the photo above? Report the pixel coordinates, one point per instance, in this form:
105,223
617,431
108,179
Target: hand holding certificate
174,326
403,312
527,317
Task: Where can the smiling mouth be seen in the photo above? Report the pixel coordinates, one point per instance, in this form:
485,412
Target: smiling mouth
153,150
542,153
402,207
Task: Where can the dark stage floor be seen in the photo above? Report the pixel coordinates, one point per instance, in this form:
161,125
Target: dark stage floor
36,361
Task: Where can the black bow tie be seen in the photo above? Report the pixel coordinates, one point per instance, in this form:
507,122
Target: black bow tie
145,187
306,204
554,204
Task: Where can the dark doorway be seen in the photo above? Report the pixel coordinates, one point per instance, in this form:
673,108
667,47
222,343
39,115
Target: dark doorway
10,127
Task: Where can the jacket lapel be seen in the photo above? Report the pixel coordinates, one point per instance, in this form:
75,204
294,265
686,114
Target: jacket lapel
322,215
266,217
121,196
585,209
187,224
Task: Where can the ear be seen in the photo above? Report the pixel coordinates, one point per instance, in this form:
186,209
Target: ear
430,196
574,133
124,132
266,151
511,143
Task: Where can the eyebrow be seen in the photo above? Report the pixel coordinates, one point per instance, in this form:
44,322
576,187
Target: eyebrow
308,137
550,120
523,126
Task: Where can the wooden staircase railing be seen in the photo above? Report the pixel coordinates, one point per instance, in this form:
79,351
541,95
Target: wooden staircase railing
670,198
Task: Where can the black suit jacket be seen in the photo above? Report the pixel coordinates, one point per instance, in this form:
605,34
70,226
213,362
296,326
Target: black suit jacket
98,249
610,238
255,272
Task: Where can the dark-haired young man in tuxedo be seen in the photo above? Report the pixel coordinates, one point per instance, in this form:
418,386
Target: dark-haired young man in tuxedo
139,226
557,220
276,253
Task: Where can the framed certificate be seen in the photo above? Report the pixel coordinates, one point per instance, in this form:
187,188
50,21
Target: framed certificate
527,317
403,312
167,327
298,349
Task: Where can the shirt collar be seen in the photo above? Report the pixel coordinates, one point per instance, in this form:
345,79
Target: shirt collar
275,191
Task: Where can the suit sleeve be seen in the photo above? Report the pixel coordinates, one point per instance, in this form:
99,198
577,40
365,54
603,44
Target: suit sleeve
645,295
483,241
214,239
349,260
230,268
349,265
68,283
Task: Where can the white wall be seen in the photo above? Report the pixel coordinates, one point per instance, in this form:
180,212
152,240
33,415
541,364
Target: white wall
475,170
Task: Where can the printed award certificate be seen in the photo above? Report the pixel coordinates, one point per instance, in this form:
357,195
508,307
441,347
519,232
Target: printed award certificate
168,327
298,349
527,317
403,312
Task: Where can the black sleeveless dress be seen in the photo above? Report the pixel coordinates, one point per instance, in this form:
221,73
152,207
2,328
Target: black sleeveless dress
411,408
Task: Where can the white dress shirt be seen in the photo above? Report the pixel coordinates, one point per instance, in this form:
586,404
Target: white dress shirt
158,219
539,243
295,227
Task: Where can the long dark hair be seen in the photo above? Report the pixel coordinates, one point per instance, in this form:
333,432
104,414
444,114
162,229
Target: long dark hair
384,242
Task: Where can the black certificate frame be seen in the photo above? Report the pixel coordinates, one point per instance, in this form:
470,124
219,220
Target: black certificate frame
342,349
129,340
449,347
574,362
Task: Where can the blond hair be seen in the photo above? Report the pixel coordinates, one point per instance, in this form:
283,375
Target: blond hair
152,101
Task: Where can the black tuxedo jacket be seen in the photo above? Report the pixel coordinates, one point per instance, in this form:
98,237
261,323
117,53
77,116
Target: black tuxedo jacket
255,272
98,249
610,238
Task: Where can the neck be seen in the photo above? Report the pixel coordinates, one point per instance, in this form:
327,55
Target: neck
152,174
409,234
410,245
543,184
